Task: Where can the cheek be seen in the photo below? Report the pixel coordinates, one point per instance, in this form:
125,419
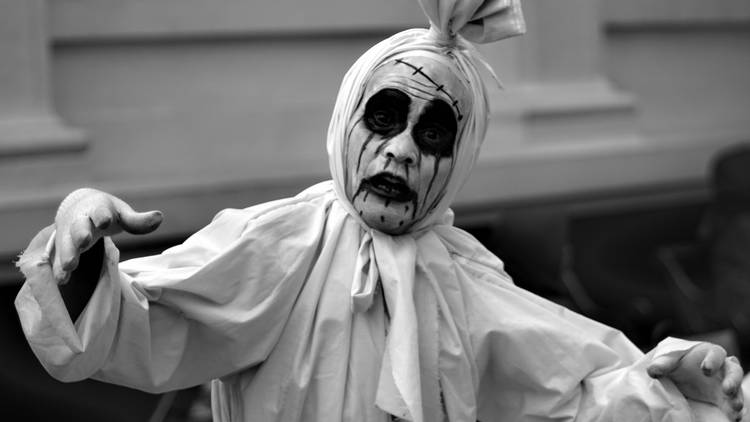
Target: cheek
358,153
433,178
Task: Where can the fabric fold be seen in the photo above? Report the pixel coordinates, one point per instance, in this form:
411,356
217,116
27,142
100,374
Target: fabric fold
273,328
366,278
479,21
396,258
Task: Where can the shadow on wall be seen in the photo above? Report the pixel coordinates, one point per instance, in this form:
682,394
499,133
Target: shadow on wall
710,276
651,268
600,264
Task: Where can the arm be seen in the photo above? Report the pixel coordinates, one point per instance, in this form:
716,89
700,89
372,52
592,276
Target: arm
553,364
211,306
84,217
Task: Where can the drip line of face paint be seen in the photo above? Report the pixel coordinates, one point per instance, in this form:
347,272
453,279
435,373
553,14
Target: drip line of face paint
432,180
362,150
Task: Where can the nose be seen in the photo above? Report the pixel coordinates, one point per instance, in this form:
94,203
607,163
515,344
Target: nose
401,149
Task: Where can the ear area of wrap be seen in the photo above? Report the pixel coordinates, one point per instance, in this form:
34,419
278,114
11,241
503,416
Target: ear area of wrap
479,21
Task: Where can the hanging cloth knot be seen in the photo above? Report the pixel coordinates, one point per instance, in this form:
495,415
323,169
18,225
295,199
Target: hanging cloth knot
365,277
479,21
408,386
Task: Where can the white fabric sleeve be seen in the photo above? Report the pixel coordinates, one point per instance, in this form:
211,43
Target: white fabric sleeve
540,361
211,306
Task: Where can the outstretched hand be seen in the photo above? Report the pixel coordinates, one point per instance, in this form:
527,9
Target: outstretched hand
85,216
704,373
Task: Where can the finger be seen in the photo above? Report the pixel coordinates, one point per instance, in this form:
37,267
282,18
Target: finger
141,222
137,222
734,409
101,218
714,360
662,365
737,403
733,375
65,255
81,233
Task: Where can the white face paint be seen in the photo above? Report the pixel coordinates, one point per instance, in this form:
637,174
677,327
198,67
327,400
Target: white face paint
402,143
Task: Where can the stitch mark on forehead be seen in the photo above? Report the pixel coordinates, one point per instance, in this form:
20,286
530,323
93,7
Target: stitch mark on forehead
438,87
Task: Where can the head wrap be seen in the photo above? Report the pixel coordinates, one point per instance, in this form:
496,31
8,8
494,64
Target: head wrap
452,22
417,381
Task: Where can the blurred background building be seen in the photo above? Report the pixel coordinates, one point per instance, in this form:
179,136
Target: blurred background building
593,176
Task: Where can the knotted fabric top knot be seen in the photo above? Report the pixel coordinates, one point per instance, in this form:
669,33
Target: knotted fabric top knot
479,21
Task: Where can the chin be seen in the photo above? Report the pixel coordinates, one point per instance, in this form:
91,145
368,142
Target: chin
383,214
386,226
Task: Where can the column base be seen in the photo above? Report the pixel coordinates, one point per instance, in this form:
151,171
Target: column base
40,133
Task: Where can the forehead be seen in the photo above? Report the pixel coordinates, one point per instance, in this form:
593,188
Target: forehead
422,77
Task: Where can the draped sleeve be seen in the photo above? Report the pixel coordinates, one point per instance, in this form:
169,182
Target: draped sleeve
540,361
543,361
213,305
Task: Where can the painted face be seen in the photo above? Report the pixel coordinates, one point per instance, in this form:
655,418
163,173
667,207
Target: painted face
402,142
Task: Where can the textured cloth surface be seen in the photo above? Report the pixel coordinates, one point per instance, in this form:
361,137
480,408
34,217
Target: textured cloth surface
261,300
479,21
300,312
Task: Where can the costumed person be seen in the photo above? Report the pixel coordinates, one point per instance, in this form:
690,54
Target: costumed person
356,300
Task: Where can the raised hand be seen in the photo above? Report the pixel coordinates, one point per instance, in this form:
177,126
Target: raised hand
704,373
85,216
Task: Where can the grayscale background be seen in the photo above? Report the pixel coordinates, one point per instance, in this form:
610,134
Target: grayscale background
597,182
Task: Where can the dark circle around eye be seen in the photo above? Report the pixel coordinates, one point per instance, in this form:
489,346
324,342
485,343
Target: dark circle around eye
435,131
386,112
382,118
434,140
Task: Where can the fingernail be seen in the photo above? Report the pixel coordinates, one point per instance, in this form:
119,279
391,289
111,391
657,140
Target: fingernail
731,390
85,242
70,265
60,277
655,372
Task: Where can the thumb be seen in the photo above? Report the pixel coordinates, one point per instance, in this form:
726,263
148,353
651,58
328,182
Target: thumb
137,222
663,365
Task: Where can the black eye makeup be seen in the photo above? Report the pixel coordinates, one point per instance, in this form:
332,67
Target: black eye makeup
435,131
386,112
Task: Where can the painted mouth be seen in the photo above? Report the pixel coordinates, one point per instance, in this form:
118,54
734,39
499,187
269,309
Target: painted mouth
390,187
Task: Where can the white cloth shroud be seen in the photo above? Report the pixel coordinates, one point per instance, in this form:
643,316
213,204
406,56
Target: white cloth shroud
261,299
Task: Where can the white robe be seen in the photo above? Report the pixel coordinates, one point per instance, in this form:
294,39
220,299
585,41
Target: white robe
261,301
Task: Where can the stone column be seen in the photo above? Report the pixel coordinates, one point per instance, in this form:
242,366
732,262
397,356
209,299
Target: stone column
558,114
28,123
